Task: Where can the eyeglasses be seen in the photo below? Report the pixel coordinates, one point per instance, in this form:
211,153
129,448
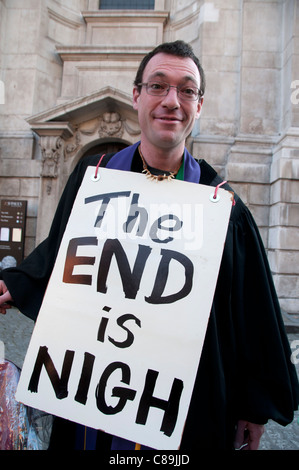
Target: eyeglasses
185,92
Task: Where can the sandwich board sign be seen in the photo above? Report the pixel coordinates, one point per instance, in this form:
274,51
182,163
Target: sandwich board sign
118,339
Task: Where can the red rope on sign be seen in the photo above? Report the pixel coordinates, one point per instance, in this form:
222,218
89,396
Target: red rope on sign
217,187
216,191
97,167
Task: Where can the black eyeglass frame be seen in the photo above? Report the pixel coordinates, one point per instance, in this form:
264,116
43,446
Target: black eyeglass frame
168,86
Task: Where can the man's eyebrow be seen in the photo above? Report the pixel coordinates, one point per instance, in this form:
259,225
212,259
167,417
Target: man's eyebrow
157,74
187,78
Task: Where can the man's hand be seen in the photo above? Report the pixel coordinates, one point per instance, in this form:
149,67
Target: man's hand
4,298
248,435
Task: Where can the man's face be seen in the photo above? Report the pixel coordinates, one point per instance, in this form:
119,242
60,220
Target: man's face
166,121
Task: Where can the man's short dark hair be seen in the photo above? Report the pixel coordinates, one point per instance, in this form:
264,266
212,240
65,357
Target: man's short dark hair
176,48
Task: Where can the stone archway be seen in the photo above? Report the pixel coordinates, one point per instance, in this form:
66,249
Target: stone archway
103,121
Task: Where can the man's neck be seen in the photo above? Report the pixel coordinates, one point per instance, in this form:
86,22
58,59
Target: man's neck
162,159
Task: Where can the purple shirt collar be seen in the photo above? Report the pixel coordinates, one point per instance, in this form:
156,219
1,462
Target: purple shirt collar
123,161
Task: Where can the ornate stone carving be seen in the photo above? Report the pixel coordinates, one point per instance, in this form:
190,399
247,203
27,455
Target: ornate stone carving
52,149
111,125
130,130
73,146
90,127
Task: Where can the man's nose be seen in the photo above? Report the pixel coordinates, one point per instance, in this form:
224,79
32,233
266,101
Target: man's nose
171,100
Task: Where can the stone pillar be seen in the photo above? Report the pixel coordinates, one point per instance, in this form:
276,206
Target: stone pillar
284,177
249,161
284,221
248,171
52,148
52,143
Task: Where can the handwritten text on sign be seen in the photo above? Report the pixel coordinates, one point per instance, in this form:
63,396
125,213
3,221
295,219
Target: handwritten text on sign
119,335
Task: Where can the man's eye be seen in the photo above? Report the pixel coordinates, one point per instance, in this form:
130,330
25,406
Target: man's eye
188,91
157,86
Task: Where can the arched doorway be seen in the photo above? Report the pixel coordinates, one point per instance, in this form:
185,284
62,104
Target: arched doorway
104,148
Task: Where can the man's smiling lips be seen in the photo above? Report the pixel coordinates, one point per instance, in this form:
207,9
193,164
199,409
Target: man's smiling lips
168,119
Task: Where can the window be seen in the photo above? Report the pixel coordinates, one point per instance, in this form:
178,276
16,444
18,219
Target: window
127,4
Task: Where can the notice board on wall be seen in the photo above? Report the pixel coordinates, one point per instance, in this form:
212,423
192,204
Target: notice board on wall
119,336
12,231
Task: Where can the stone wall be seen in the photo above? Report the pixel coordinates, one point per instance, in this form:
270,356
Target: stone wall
68,68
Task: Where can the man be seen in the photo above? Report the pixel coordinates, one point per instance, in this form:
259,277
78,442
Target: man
245,376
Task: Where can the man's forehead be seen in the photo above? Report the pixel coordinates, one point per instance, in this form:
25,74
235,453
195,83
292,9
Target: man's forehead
167,65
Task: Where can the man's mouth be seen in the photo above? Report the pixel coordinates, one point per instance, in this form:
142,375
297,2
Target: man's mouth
168,118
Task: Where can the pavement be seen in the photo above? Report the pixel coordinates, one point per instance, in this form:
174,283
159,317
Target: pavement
15,334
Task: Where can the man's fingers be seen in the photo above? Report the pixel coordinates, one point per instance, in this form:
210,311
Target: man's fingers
239,437
4,307
5,297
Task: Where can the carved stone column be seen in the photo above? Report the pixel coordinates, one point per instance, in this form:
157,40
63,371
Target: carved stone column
51,151
52,148
52,143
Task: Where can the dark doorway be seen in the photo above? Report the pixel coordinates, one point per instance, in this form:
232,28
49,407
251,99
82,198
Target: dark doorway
104,148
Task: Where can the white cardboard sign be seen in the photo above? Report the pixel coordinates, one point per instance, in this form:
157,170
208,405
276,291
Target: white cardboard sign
119,336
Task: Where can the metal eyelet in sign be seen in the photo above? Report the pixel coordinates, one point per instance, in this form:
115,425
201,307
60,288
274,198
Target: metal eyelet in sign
96,177
214,198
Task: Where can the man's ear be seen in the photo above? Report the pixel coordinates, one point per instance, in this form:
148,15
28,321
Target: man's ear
136,95
199,107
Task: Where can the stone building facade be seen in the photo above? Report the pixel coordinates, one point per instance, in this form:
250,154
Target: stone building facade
66,74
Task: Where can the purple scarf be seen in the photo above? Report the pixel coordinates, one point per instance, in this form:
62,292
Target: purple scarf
123,161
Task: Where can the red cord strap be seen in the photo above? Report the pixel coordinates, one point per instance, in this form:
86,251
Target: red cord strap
217,187
215,198
97,167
